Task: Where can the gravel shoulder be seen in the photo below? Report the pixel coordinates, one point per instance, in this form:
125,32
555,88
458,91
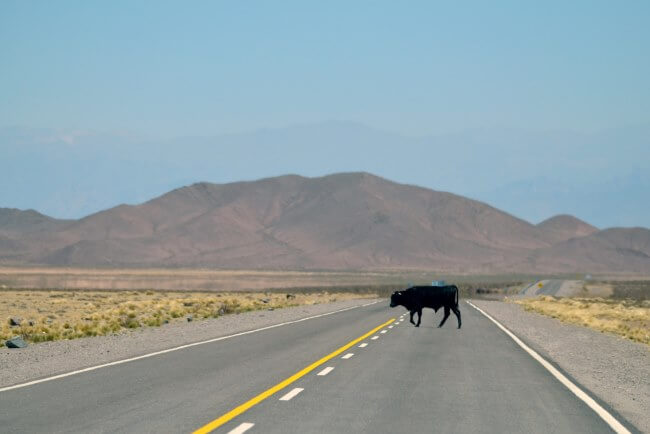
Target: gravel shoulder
614,369
52,358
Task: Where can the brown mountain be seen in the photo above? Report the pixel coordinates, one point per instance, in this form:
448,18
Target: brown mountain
342,221
613,249
17,222
563,227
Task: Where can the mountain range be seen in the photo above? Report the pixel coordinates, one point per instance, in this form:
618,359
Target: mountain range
601,177
343,221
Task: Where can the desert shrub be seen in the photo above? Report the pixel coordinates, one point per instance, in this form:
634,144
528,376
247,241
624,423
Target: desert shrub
71,315
628,318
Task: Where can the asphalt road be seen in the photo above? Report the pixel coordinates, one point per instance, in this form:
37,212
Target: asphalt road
549,287
407,380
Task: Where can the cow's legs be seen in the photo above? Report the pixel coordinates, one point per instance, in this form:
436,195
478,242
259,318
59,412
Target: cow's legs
457,312
419,317
445,317
412,313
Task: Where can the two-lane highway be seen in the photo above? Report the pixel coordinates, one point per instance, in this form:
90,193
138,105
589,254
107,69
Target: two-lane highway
353,371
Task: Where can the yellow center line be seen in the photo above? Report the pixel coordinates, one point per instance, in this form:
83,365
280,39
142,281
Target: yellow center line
262,396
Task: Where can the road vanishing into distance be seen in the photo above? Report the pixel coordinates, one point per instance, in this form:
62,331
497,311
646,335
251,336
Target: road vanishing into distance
548,287
362,370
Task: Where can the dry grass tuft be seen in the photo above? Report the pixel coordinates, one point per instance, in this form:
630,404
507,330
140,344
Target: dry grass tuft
55,315
628,318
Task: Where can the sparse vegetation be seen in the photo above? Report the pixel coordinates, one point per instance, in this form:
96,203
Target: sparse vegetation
634,289
55,315
629,318
172,279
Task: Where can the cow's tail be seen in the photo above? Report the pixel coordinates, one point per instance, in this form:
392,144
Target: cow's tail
456,295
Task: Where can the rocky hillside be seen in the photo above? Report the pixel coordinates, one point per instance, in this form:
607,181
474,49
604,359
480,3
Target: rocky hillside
341,221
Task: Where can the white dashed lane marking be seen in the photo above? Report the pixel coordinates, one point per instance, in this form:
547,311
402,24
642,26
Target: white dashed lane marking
291,394
383,331
348,355
390,327
374,337
326,371
242,428
363,345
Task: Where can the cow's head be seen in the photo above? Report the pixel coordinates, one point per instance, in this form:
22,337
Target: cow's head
396,299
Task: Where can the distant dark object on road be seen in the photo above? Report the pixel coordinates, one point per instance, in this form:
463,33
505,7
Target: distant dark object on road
417,297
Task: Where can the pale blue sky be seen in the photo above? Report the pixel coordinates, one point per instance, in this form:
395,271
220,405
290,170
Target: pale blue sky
538,108
179,68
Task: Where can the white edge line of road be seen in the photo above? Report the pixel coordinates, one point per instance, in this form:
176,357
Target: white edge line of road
591,403
181,347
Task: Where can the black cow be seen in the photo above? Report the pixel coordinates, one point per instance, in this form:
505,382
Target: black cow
417,297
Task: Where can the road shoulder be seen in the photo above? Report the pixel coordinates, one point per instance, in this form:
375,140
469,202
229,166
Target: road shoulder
53,358
616,370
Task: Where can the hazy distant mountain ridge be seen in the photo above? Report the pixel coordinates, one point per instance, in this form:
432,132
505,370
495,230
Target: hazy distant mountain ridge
609,250
563,227
15,221
601,177
341,221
